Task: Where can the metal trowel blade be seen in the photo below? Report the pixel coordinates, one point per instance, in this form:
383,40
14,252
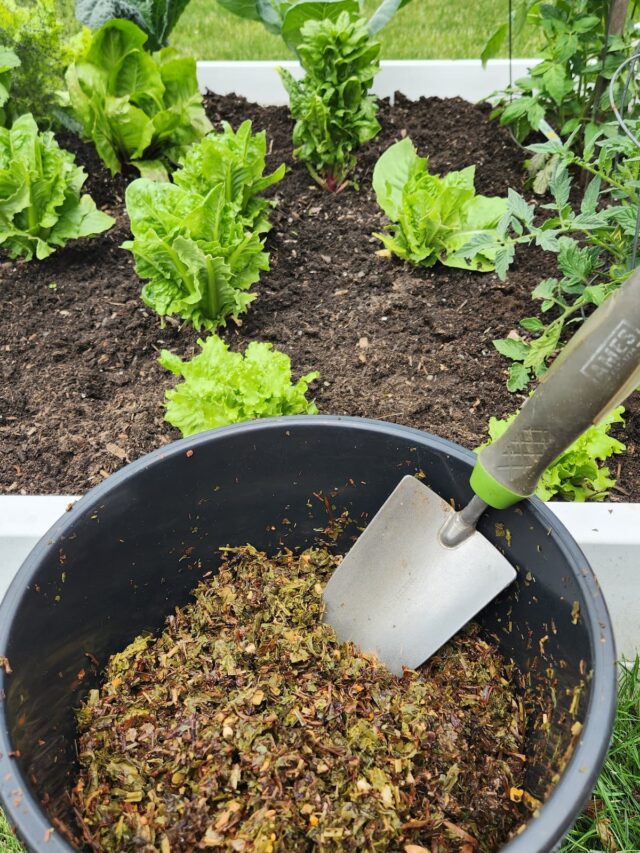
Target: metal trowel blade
399,593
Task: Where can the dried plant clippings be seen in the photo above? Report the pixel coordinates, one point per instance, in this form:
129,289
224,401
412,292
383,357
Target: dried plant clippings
246,726
575,612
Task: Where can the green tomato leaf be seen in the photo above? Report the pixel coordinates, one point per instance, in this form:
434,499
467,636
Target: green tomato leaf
532,324
518,377
556,83
513,349
494,43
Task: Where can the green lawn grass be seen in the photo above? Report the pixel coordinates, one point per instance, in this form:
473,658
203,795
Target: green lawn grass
8,842
611,824
424,29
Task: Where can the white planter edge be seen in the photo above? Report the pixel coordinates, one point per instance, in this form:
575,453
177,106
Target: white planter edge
259,81
608,533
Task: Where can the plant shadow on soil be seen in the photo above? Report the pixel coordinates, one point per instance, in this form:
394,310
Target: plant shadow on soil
81,392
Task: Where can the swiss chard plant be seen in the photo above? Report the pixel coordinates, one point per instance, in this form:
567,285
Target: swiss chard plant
332,107
287,17
434,217
136,107
584,42
235,159
40,203
577,474
199,258
221,387
156,18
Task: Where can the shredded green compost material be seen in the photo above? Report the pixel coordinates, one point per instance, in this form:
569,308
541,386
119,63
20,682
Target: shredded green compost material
246,726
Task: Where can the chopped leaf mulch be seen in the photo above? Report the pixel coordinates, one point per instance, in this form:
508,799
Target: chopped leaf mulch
246,726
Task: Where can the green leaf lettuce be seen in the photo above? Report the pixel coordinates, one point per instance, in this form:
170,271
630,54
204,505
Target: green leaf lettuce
576,474
135,106
222,387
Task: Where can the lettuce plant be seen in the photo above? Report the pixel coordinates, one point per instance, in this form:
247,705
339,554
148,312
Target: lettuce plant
287,17
334,113
199,258
237,161
136,107
222,387
156,17
576,475
434,218
40,203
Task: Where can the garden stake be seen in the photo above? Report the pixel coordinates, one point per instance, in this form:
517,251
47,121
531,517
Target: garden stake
420,570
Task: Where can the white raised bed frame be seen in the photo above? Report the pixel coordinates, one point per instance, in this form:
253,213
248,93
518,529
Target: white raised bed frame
609,533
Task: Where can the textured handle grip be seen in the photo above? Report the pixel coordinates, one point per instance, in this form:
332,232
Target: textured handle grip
599,367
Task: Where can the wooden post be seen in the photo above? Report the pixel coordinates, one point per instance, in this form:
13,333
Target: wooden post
615,26
617,16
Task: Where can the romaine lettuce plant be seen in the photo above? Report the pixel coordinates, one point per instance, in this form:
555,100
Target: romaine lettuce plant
222,387
136,107
199,258
287,18
576,475
40,203
237,161
334,113
156,17
434,217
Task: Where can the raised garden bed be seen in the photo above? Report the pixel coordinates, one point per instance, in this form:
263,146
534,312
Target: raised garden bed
81,388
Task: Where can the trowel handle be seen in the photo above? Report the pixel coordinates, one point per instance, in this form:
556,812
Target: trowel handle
599,367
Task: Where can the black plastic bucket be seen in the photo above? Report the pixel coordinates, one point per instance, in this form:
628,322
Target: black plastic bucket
133,548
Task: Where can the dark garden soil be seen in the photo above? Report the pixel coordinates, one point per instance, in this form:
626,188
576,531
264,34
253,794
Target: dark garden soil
81,392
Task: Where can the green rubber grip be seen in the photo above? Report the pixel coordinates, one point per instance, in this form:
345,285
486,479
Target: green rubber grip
596,371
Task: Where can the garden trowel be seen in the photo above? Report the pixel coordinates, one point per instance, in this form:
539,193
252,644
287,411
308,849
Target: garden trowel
420,570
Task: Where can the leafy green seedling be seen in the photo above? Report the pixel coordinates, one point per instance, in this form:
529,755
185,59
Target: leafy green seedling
136,107
237,161
576,474
222,387
199,258
334,113
40,200
434,218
